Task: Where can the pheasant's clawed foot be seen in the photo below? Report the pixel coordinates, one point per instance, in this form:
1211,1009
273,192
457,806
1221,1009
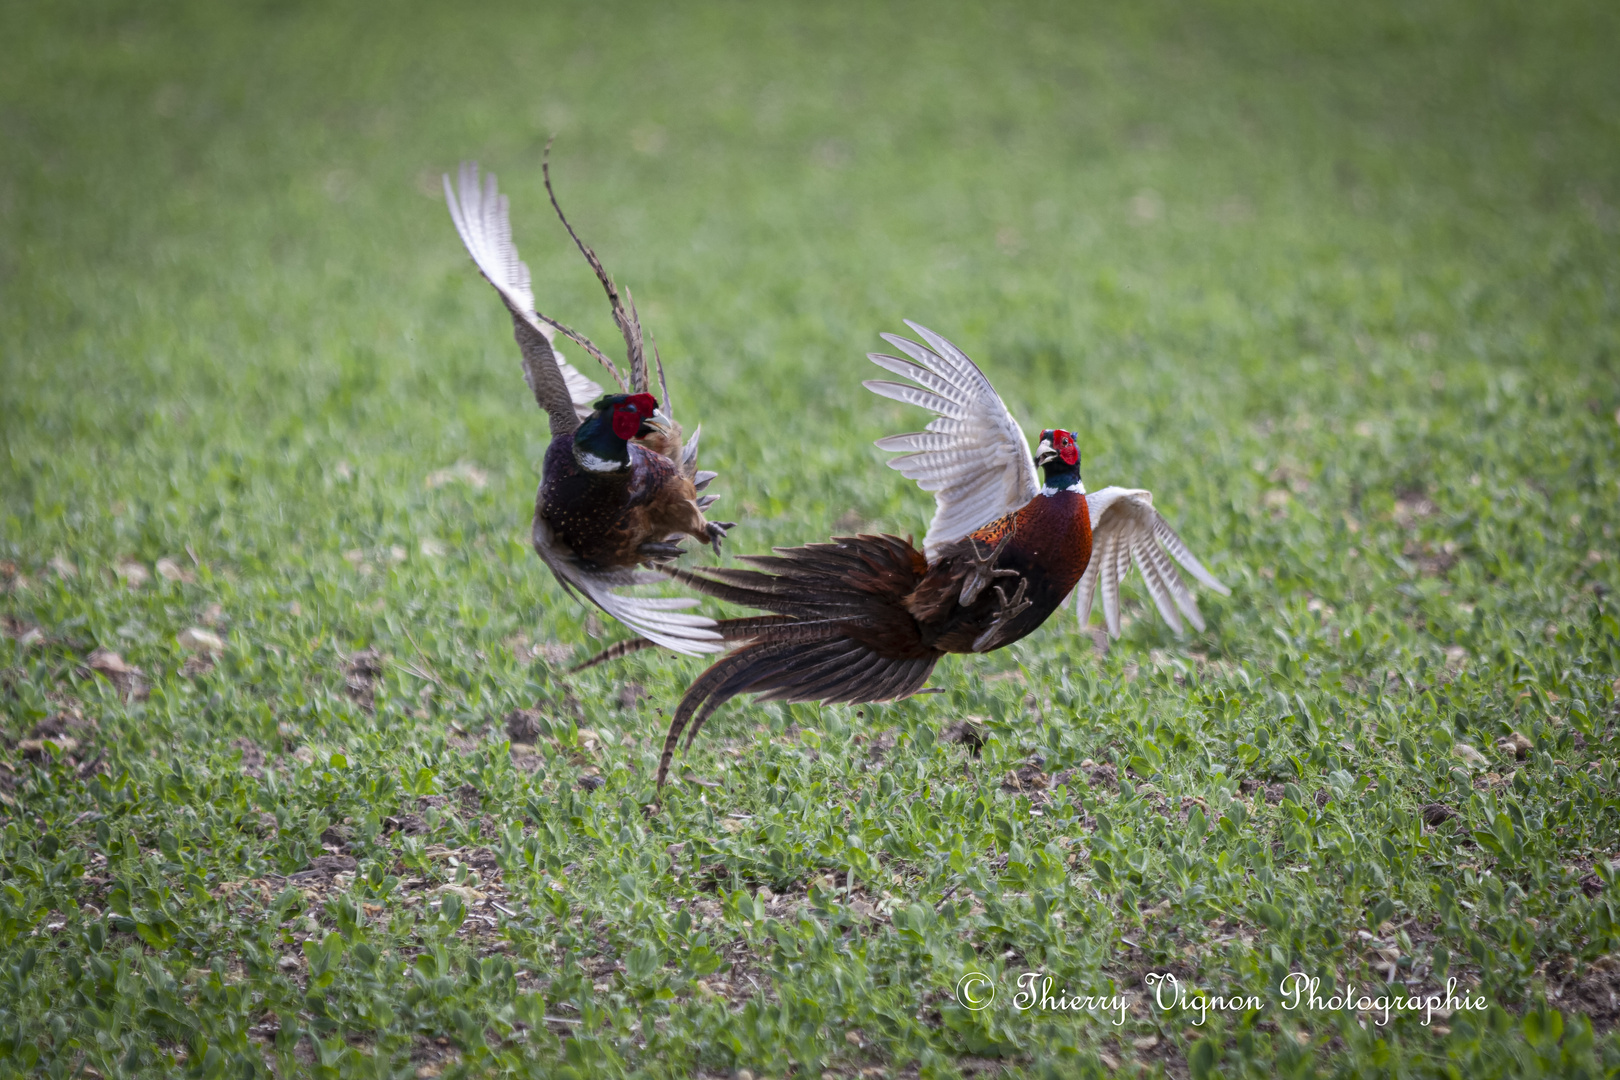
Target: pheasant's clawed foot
1011,609
1007,609
981,573
660,550
717,533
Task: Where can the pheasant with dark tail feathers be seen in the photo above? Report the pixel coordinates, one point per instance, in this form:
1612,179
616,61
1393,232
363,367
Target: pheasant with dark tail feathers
866,618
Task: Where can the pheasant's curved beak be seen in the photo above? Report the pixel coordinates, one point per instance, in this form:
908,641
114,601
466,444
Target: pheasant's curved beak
1044,454
657,423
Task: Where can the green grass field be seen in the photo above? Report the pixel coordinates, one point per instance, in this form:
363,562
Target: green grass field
1339,284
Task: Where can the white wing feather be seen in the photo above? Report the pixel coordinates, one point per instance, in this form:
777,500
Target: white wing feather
482,218
584,392
973,457
1125,528
659,619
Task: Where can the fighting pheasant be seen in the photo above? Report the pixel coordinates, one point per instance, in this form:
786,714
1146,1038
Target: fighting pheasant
618,488
866,618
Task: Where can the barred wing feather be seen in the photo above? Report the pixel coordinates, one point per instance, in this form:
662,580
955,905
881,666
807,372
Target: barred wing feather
660,619
1125,528
482,218
972,456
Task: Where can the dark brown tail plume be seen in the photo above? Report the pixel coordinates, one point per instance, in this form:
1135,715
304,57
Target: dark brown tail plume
846,637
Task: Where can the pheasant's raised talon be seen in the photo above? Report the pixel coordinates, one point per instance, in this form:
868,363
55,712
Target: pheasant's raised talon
1006,610
717,533
1017,605
981,573
993,554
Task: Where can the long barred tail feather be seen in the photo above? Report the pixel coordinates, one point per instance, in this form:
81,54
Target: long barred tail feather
614,652
731,673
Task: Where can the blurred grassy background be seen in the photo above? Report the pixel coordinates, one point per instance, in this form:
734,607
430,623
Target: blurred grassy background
1299,269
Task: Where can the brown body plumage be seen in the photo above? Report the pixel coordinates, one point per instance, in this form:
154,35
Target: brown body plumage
866,618
614,520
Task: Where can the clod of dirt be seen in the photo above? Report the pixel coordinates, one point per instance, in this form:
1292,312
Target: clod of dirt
1597,995
882,744
60,724
969,733
197,664
1104,775
1517,745
409,824
1025,778
1436,813
1271,793
1430,559
591,782
170,570
337,836
34,749
360,675
252,757
326,867
196,639
523,725
128,679
25,634
471,801
1411,506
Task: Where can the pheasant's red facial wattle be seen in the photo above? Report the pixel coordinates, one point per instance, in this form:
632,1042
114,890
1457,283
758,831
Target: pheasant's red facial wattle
629,414
1067,450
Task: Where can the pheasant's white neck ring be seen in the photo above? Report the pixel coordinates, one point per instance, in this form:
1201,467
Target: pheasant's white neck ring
1064,483
592,463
